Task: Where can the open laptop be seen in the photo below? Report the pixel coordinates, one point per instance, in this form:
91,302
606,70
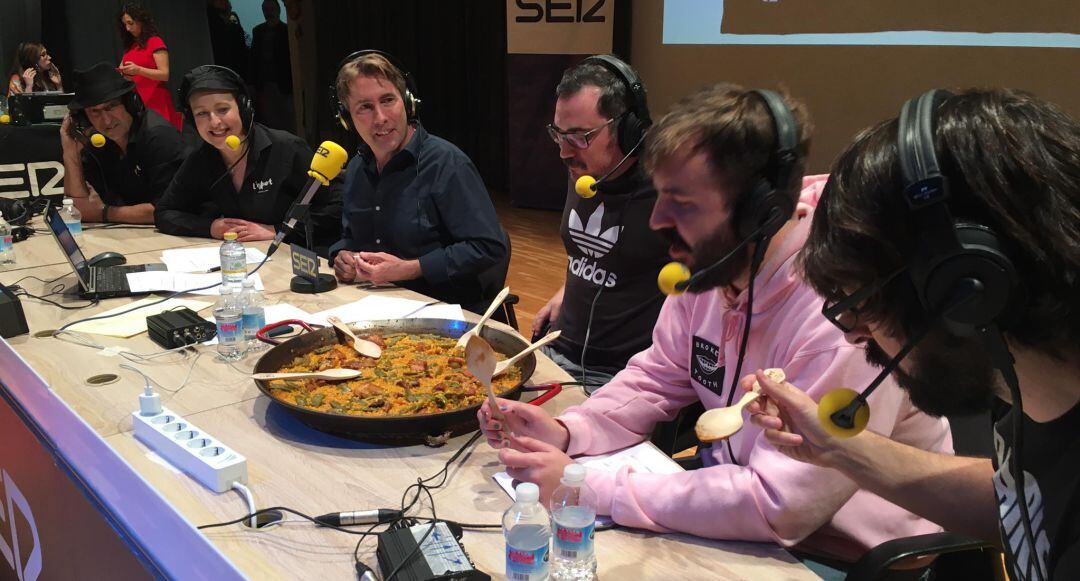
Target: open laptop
94,282
41,107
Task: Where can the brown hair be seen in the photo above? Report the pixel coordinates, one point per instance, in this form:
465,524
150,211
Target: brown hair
1013,164
139,14
26,57
735,129
369,65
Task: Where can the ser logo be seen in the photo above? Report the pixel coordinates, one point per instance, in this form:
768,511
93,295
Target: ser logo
26,174
550,11
13,500
305,263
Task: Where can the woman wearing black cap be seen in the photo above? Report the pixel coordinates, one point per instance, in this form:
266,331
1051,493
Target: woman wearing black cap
245,176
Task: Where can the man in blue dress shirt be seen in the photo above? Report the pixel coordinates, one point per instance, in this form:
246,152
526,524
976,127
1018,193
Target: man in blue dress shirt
416,211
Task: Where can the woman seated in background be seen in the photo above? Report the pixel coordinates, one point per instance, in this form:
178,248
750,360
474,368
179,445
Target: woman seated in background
247,186
33,71
146,60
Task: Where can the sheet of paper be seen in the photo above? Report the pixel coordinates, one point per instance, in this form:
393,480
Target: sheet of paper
165,280
643,457
375,307
202,259
133,323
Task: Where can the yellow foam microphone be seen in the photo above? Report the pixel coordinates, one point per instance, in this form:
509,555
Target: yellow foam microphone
673,278
835,401
233,142
329,159
97,140
585,186
5,119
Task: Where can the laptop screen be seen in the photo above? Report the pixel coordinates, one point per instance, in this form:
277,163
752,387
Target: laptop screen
68,245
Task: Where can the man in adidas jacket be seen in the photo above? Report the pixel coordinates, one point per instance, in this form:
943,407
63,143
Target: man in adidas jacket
712,143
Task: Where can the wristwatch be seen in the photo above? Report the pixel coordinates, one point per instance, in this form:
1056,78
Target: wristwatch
105,213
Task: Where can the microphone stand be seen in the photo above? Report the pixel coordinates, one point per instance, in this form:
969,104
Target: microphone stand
322,282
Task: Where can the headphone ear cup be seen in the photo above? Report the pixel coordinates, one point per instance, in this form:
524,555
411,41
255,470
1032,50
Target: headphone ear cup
630,129
411,114
758,207
981,258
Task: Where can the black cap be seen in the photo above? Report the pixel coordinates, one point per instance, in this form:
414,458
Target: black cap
98,84
210,78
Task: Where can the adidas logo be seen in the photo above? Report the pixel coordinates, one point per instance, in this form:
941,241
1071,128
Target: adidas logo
588,238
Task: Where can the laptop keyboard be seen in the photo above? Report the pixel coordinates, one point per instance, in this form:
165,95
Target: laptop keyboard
108,279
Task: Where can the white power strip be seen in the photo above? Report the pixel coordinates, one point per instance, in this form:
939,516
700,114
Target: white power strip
200,455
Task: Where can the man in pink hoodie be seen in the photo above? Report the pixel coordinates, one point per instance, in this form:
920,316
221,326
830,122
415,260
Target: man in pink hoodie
704,156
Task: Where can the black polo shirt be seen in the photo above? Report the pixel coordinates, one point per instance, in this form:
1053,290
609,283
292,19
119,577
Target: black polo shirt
155,151
428,203
276,172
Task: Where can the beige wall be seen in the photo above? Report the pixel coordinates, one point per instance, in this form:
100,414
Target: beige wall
846,87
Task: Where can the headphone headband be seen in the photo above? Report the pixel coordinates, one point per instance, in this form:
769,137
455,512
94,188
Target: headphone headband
787,138
239,89
629,77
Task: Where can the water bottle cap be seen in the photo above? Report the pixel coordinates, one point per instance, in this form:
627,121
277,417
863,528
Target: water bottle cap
249,282
228,235
68,202
527,492
573,472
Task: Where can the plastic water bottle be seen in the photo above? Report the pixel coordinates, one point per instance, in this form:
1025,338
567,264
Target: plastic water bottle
573,516
254,313
7,246
228,316
527,529
233,262
72,217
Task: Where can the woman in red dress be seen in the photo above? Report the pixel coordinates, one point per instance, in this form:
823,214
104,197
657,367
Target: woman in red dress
146,60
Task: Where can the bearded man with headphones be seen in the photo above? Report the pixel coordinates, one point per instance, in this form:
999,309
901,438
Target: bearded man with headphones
119,157
608,303
245,176
728,165
946,240
417,213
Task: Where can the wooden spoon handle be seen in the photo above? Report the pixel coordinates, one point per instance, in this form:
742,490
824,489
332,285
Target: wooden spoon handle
502,366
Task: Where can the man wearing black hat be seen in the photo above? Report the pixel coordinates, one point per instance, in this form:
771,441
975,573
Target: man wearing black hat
133,155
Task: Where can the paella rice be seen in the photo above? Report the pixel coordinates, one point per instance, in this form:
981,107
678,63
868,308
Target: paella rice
417,374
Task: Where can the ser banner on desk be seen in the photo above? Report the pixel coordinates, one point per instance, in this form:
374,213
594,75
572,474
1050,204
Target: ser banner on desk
566,27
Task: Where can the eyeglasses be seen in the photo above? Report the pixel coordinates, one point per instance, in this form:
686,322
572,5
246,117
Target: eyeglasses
844,312
576,139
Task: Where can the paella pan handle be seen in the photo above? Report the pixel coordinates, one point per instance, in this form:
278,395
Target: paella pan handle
550,390
264,333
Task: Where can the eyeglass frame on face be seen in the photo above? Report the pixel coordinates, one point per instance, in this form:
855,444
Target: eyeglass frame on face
835,311
559,136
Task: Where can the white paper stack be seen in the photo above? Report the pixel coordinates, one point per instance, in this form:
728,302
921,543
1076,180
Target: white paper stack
377,308
202,259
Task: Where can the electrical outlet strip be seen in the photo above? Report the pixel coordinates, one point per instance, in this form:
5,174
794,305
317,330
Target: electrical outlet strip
200,455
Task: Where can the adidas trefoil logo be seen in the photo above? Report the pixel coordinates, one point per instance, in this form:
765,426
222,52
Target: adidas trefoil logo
589,239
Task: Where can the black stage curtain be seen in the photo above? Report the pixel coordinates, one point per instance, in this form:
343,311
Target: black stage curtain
80,33
456,53
20,21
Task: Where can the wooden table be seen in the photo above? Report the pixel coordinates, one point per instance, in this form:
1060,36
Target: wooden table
292,465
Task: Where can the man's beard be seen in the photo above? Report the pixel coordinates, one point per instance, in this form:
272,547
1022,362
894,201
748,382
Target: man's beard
709,251
947,375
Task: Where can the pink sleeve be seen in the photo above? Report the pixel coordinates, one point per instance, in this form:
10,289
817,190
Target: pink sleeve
653,388
154,44
772,498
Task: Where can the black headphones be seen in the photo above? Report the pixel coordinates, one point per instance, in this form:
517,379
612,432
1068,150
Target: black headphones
950,257
769,203
239,91
131,101
636,121
410,98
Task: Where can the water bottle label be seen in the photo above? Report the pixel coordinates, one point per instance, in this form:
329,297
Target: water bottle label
74,227
574,542
253,322
527,565
5,243
229,332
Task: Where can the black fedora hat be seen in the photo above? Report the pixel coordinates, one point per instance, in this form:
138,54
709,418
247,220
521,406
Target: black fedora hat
98,84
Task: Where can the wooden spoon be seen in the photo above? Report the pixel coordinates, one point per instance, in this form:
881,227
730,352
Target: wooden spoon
499,298
722,423
480,359
502,366
336,374
362,346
